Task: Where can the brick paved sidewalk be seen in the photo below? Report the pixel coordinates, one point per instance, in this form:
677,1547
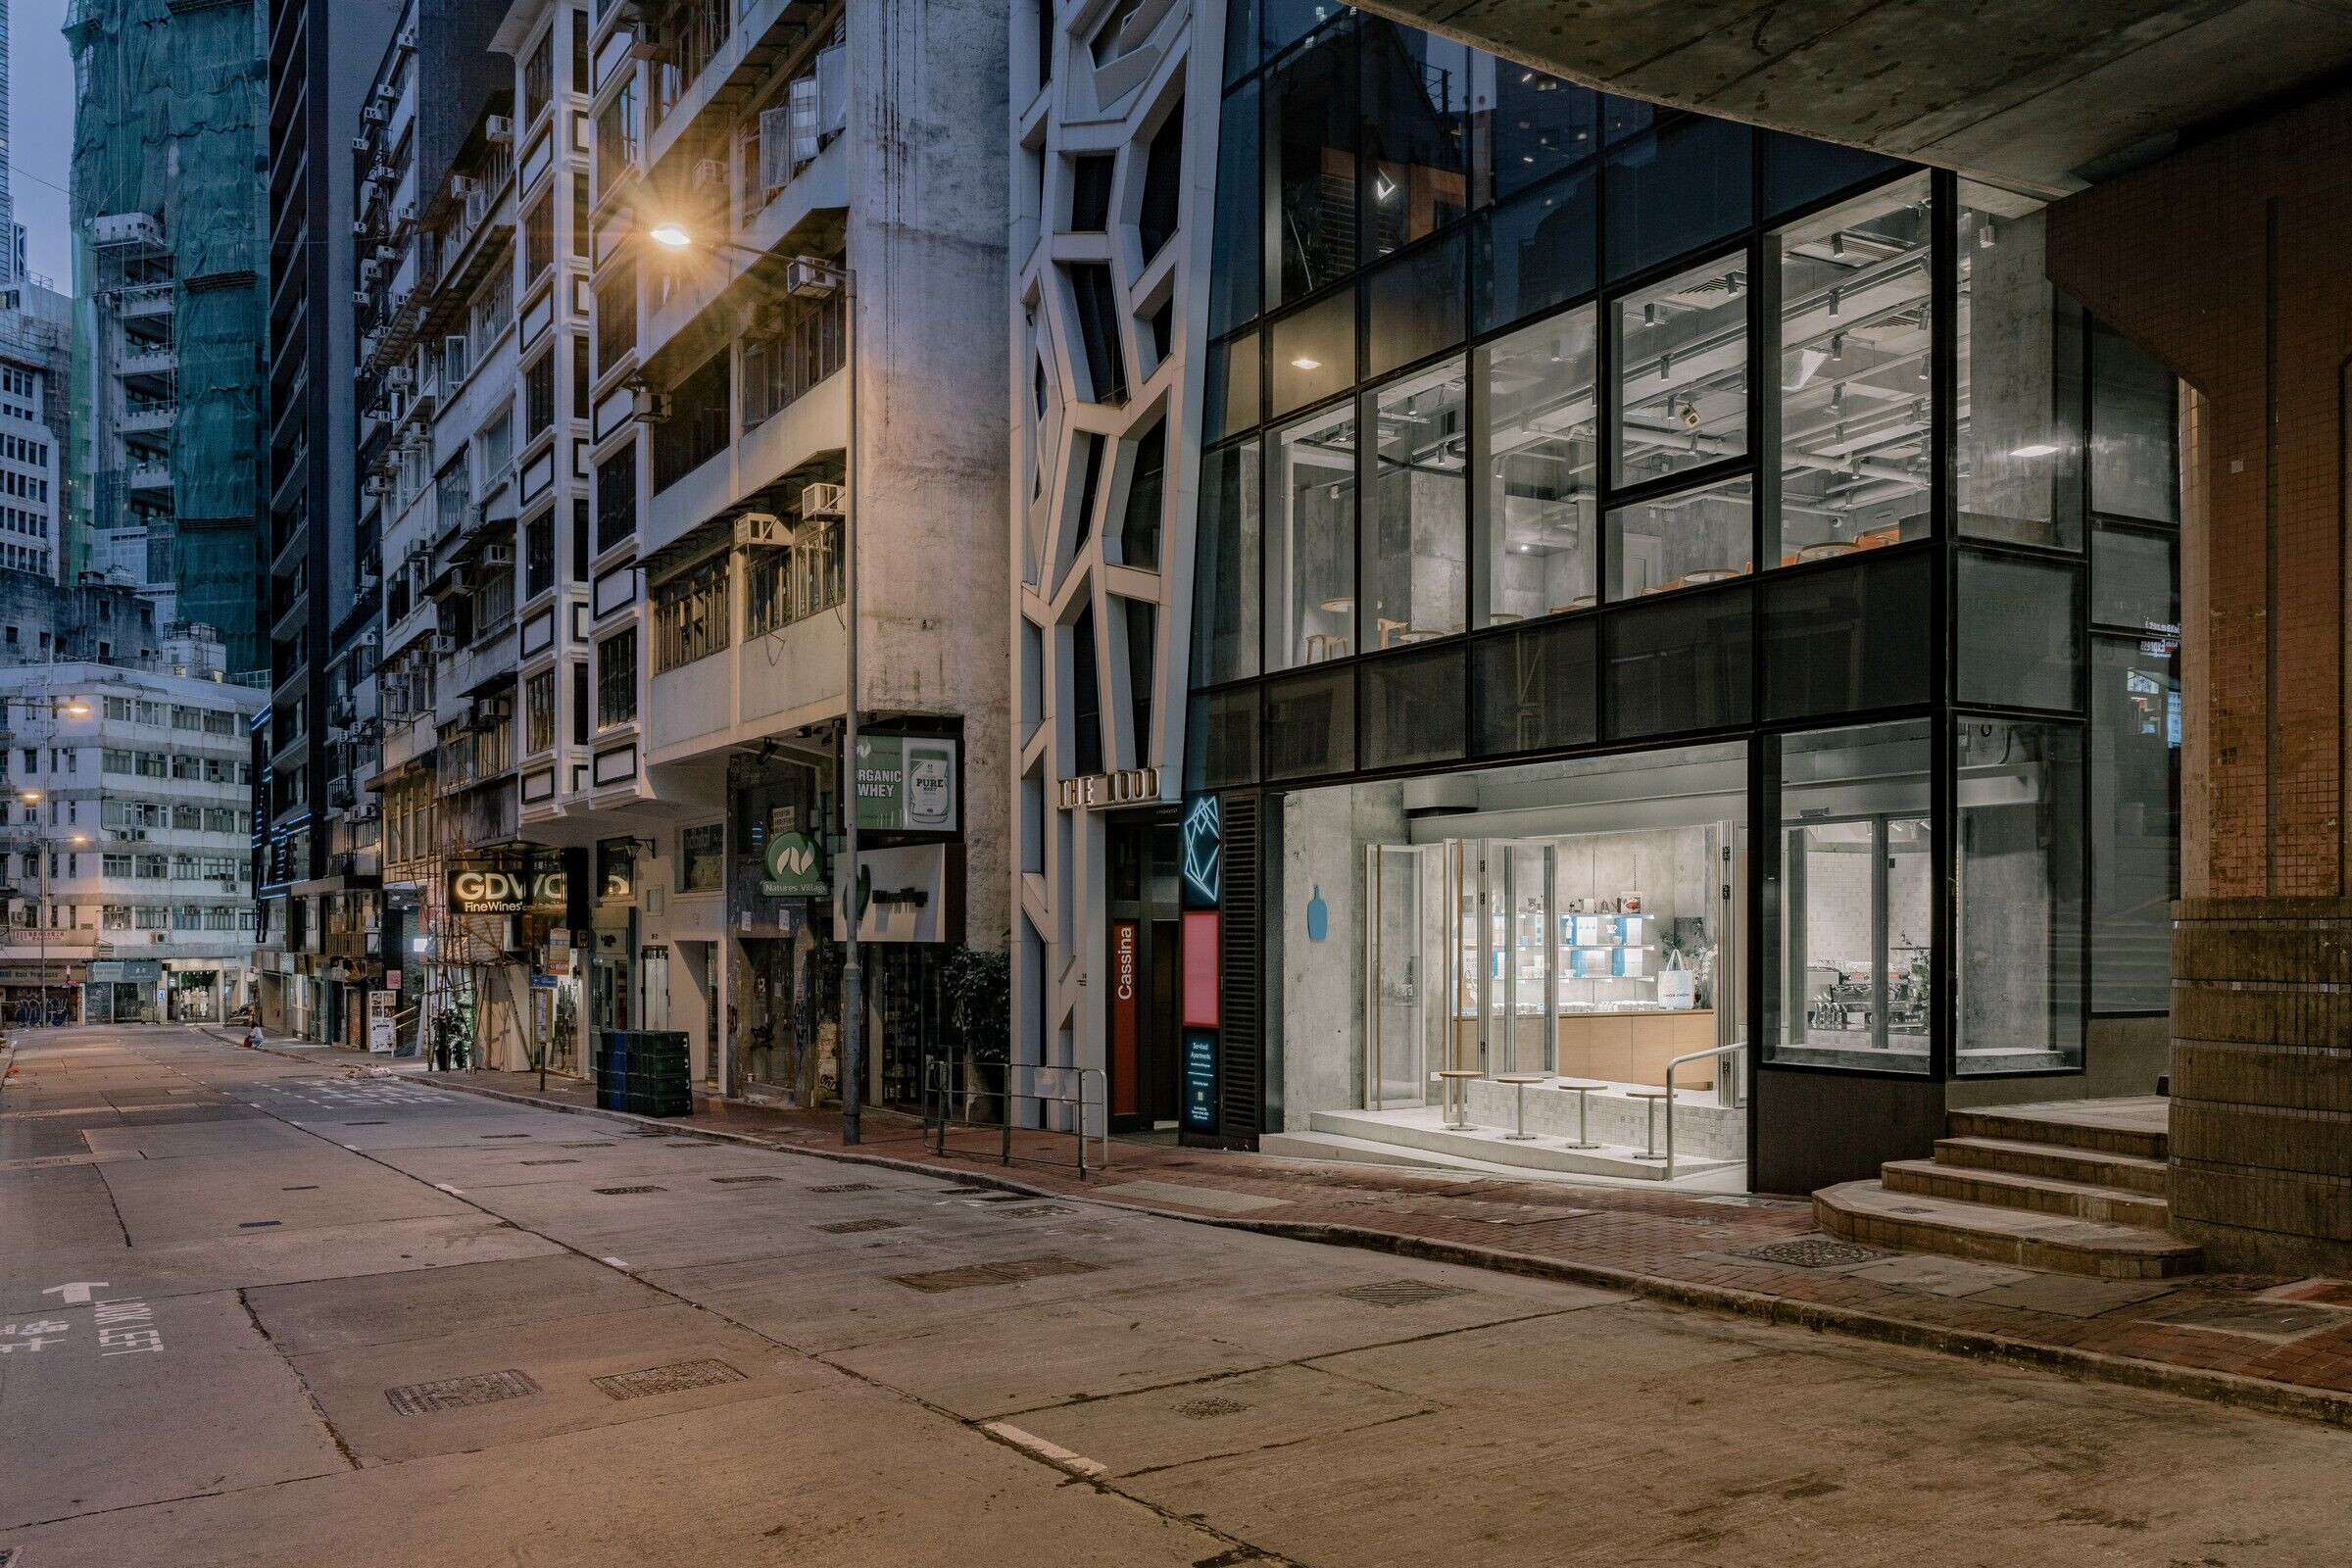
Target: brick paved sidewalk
2274,1343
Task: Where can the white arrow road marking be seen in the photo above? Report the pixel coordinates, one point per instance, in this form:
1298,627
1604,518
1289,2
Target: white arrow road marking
77,1292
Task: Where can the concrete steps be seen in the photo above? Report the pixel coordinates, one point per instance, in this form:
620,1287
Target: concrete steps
2074,1187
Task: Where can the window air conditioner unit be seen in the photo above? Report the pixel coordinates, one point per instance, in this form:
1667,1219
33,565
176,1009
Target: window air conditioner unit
821,499
498,129
443,644
465,185
653,408
360,298
359,144
375,114
498,554
400,375
406,43
753,528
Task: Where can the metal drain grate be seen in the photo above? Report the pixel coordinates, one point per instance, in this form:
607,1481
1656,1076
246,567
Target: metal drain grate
455,1394
845,1186
624,1192
1813,1251
1209,1408
1013,1272
1399,1292
567,1160
741,1181
858,1227
676,1378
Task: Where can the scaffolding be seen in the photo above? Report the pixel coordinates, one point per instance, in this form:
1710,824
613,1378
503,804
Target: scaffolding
172,274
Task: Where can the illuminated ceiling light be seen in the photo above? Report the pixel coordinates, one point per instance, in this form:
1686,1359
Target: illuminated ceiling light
1836,302
1303,362
1665,366
672,236
1837,348
1985,238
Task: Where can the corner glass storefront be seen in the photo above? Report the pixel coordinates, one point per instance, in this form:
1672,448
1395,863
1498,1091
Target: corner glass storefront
1665,585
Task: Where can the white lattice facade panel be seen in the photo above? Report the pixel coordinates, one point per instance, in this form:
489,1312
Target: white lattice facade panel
1109,300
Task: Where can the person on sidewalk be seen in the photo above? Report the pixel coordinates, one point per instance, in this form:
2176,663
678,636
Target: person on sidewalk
253,1038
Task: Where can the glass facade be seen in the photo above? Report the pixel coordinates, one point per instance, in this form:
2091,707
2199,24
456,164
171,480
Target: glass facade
1547,423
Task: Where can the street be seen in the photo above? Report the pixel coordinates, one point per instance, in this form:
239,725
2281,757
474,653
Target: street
253,1311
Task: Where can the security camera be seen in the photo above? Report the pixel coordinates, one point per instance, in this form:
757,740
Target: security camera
1691,415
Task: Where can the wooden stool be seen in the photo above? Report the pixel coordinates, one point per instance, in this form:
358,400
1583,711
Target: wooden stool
1457,1082
1583,1089
1519,1082
1649,1127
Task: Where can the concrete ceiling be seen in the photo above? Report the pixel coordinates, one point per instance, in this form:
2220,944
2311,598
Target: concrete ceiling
2042,95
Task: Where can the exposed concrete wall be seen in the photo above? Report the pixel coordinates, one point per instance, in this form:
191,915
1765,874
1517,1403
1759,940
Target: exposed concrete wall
1324,834
927,239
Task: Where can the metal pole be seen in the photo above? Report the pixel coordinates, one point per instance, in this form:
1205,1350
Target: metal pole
852,967
41,917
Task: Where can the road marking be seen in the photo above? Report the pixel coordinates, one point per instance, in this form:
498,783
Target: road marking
1060,1458
450,1191
614,1262
123,1324
75,1293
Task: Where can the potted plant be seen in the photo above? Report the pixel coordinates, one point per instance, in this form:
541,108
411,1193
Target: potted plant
978,987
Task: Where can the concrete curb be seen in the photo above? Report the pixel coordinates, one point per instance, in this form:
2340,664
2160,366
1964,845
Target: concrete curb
2220,1387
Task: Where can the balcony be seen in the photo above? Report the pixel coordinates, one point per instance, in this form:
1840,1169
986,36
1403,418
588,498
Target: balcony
147,300
148,417
149,477
149,361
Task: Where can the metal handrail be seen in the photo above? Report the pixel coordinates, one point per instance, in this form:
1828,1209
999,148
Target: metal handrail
1695,1056
940,1084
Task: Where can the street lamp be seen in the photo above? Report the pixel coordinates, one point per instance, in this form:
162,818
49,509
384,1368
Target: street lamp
812,277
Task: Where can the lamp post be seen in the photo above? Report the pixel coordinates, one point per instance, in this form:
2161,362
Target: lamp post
40,856
813,277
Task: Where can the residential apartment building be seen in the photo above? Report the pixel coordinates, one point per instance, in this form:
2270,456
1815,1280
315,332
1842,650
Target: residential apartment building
375,98
36,379
171,267
1514,581
128,810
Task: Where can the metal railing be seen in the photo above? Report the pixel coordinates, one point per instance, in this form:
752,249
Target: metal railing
1736,1050
948,1097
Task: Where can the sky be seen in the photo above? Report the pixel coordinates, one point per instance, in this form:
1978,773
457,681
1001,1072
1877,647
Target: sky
40,73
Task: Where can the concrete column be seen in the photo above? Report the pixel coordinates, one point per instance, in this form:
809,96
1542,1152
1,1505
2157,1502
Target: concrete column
2226,260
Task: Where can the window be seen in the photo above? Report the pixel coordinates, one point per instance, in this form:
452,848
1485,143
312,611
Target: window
1673,188
539,397
1536,251
616,499
615,317
539,77
1683,540
690,614
1409,709
1314,353
698,427
1679,665
782,365
2135,408
2020,444
1540,124
1681,371
1416,569
1856,309
1163,183
539,237
1416,98
702,858
1097,308
1230,398
1535,688
2017,639
1086,695
1413,305
539,555
1310,543
579,702
2020,886
617,679
1234,284
1857,904
1541,547
1225,589
1311,127
615,868
2135,821
1090,192
785,585
539,712
1147,495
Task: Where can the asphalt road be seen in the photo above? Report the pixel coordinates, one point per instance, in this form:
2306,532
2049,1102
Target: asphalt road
251,1312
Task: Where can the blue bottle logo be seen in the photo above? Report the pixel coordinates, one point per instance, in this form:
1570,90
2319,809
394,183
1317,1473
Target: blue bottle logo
1318,916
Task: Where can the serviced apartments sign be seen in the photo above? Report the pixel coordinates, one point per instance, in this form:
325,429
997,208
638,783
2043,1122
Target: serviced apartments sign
907,783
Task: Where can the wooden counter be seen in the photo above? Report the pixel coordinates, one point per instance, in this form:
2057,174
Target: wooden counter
1624,1047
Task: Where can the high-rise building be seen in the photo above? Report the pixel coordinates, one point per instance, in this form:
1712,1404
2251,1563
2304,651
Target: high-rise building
370,94
169,266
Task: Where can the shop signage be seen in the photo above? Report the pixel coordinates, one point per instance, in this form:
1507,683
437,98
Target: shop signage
907,783
1133,785
381,1035
1124,1018
902,894
1202,838
128,971
796,868
1201,1080
530,886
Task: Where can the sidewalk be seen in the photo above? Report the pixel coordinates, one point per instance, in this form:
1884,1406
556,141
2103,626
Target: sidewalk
2277,1343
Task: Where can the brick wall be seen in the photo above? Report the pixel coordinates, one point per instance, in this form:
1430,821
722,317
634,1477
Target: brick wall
2228,262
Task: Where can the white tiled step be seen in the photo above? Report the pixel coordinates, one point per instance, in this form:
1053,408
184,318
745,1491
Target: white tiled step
1868,1212
2007,1190
2130,1173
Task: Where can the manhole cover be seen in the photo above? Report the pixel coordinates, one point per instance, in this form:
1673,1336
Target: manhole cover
672,1379
455,1394
739,1181
1399,1292
622,1192
1209,1408
845,1186
970,1276
1813,1251
565,1161
854,1227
